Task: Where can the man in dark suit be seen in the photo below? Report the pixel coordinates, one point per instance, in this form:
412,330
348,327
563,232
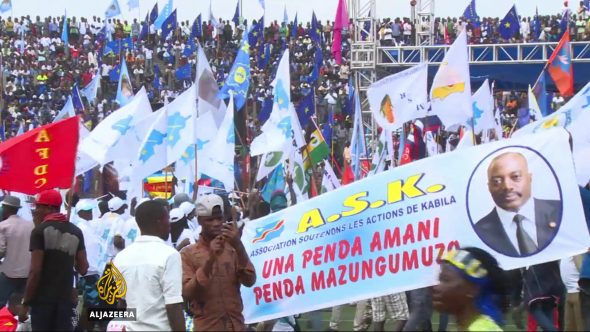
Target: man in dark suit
519,225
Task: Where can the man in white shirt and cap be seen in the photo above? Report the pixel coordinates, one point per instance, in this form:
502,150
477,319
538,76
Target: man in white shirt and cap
111,230
83,218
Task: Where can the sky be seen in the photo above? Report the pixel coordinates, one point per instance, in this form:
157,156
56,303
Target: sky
324,9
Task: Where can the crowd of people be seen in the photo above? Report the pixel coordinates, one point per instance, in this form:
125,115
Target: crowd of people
177,243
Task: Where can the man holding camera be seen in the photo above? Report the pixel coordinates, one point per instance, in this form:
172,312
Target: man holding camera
213,270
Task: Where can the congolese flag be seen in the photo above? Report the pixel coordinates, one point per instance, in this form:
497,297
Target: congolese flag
40,159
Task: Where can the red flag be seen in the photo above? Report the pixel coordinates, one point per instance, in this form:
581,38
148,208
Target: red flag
560,67
340,22
40,159
347,175
411,146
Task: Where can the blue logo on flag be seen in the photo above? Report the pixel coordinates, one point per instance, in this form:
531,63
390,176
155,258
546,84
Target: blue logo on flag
155,138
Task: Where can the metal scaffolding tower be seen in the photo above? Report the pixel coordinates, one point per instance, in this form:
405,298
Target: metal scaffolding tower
363,51
423,18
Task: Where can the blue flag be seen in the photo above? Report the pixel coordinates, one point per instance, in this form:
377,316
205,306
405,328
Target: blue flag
256,32
113,10
184,72
127,44
197,29
471,14
124,88
5,6
190,48
265,111
145,28
316,32
169,25
238,79
64,31
154,13
115,73
294,27
102,35
164,14
2,132
285,16
113,47
509,25
540,92
565,22
306,109
276,182
236,18
318,60
77,98
327,130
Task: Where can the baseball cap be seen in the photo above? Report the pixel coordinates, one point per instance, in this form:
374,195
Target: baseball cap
176,214
206,204
49,197
187,208
11,201
86,204
115,203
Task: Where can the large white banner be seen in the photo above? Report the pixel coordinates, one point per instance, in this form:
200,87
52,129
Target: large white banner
517,199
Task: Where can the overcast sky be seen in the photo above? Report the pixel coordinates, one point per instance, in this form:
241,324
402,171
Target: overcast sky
325,9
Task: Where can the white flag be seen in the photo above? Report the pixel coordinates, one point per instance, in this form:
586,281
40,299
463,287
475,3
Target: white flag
329,179
207,89
450,95
296,168
151,156
483,109
572,116
67,111
219,164
84,162
115,137
400,97
91,90
277,129
182,117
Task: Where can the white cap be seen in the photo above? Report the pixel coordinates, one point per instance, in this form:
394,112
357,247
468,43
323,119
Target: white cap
85,205
175,215
187,208
115,203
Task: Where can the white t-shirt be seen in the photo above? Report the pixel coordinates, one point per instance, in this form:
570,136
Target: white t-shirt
569,274
153,274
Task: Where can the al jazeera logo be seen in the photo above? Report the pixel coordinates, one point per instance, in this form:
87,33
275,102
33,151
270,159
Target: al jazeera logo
111,287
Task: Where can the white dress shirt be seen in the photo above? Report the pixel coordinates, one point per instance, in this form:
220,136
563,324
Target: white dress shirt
528,223
153,274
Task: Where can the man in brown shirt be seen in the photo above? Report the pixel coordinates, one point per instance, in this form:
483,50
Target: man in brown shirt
213,270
